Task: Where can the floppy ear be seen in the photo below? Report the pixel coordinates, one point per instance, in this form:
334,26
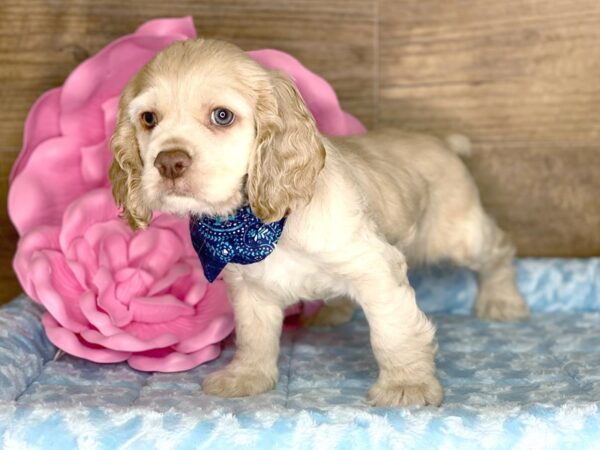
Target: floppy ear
126,169
289,153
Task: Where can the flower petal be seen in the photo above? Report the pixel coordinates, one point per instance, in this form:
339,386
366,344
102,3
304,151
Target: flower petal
197,291
174,361
215,330
97,318
113,251
95,207
98,234
41,124
155,250
177,271
78,271
158,309
51,180
177,224
132,283
213,320
119,314
196,329
212,306
43,237
192,287
69,342
95,161
57,289
127,342
81,252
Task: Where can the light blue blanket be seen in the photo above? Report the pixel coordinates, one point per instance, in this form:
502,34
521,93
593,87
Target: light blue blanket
525,385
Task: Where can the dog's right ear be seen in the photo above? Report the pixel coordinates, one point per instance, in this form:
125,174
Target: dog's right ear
126,169
289,152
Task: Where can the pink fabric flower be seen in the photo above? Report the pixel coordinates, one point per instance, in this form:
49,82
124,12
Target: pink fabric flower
116,295
111,294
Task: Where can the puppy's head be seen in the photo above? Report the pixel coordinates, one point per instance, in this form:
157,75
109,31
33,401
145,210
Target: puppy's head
203,129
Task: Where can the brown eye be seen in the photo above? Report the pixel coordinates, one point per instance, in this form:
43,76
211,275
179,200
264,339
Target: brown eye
149,119
222,117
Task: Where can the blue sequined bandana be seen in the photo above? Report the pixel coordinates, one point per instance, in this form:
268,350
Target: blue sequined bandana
241,238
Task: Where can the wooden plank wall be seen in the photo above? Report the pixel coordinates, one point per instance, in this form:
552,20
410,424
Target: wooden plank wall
518,76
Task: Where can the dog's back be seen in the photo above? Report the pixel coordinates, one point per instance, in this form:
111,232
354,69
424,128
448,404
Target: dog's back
414,184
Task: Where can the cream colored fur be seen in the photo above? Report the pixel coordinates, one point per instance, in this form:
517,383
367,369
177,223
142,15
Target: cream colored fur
360,210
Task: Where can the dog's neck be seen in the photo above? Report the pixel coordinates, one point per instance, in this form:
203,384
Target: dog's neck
240,238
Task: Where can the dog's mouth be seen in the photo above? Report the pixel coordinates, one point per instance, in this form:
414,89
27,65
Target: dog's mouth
178,192
177,196
177,187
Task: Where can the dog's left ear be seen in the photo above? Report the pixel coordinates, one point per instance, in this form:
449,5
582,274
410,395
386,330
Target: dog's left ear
289,152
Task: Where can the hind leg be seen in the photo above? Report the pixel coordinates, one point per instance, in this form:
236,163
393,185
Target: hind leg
498,297
467,236
478,243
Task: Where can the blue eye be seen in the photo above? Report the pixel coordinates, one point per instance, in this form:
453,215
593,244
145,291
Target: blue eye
222,117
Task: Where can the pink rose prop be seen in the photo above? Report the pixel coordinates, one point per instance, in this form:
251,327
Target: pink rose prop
111,294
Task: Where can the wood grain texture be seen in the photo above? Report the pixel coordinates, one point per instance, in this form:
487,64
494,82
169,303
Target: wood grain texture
520,78
546,195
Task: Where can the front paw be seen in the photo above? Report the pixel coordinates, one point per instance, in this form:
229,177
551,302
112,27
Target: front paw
424,392
238,382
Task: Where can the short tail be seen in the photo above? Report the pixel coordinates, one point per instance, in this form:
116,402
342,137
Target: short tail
459,144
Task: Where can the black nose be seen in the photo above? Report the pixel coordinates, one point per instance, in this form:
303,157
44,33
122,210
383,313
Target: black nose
172,163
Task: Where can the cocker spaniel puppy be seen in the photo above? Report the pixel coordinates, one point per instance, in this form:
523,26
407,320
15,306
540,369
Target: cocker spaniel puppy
204,130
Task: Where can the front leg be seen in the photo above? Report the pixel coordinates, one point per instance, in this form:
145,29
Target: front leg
253,369
401,335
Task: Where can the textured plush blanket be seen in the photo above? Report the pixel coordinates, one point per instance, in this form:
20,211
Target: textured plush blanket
526,385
